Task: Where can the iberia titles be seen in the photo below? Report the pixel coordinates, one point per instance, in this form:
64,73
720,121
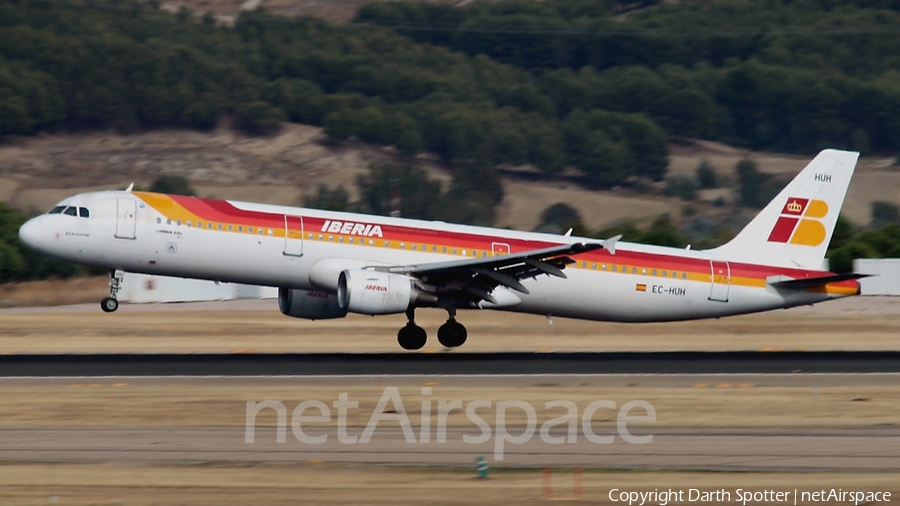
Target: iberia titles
350,228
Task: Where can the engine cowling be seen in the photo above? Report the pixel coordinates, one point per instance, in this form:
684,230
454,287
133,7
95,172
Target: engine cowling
309,304
375,292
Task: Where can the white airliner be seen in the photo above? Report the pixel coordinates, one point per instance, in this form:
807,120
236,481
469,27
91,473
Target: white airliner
327,264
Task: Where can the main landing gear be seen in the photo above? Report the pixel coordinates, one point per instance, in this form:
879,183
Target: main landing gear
110,304
452,333
413,337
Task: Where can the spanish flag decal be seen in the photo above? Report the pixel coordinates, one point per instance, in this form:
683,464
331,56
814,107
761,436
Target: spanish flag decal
640,288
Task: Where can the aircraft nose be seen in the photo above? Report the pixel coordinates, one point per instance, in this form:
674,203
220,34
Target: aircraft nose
30,233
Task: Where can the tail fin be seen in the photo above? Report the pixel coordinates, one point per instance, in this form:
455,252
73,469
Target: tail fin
794,230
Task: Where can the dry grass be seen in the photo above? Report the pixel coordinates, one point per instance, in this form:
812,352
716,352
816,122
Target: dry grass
139,485
54,292
174,403
868,323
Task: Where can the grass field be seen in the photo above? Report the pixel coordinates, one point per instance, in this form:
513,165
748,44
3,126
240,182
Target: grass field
861,323
98,402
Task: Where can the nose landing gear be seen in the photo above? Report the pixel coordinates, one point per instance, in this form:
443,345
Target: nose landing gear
110,304
412,336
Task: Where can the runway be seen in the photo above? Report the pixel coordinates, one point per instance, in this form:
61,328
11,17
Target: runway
202,420
450,363
769,449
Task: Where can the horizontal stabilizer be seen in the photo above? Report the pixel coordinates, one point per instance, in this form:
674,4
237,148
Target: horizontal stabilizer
803,283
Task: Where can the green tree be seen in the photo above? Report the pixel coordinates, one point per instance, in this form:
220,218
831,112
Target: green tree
173,185
408,186
560,217
682,187
663,233
884,213
337,199
756,189
258,118
706,175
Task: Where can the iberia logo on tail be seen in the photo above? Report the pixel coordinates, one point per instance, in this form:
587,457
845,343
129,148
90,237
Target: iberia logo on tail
799,222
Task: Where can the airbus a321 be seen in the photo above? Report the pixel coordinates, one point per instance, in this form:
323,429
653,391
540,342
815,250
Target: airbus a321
327,264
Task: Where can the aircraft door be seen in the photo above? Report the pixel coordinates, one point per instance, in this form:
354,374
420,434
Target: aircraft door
293,235
125,220
499,248
720,275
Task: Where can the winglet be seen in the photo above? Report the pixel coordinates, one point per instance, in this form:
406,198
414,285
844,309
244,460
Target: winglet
130,187
610,244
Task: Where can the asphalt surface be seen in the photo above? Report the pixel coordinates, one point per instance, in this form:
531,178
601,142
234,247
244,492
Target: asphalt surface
770,449
450,363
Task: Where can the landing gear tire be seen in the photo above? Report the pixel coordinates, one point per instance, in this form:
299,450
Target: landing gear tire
412,337
109,304
452,334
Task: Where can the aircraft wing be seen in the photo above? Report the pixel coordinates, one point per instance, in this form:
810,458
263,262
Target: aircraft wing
475,278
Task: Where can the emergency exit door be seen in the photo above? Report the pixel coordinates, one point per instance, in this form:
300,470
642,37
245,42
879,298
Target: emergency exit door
720,275
125,220
293,235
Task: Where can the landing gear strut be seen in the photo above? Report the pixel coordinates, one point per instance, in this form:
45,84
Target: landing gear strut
452,333
412,336
110,304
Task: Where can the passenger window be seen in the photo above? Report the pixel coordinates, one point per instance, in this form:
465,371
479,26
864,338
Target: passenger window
70,211
83,212
57,210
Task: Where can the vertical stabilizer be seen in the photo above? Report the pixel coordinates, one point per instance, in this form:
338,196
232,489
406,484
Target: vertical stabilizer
795,228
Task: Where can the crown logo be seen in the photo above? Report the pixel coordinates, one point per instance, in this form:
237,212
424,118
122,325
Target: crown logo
794,207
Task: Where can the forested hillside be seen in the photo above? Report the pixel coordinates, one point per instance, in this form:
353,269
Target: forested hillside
127,64
781,75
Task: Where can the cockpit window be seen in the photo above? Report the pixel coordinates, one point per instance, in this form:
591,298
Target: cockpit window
83,212
57,210
71,211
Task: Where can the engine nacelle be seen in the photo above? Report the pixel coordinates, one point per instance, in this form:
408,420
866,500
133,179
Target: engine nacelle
309,304
377,292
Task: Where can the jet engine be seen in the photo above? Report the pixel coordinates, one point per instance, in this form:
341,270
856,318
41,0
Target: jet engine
309,304
376,292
